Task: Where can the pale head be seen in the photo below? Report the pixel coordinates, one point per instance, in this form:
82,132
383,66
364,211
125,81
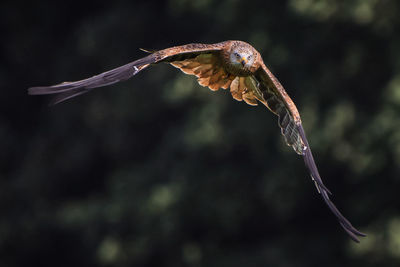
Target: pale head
242,56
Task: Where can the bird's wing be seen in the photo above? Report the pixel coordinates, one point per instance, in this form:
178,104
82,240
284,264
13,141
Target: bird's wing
272,94
171,55
208,69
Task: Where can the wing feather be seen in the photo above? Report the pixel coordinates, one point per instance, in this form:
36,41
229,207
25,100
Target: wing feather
67,90
208,69
277,100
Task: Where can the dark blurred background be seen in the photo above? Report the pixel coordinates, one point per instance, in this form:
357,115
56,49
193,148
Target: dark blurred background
159,171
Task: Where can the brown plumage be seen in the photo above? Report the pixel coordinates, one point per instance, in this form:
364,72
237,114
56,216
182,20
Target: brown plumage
231,64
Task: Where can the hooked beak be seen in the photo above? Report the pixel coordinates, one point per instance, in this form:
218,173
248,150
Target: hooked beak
243,61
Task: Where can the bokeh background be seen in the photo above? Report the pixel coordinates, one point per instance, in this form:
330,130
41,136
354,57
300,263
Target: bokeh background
159,171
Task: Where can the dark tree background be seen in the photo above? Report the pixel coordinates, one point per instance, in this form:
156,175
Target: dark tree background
159,171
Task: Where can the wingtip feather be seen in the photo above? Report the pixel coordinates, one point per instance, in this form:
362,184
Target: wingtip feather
310,163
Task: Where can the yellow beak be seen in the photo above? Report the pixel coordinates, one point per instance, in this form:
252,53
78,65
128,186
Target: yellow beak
243,61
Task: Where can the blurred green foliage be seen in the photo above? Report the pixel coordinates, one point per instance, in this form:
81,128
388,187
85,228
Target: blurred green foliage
158,171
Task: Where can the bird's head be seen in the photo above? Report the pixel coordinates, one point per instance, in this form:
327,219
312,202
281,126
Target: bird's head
242,57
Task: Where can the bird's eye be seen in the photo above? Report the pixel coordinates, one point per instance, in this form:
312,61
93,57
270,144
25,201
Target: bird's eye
248,58
237,55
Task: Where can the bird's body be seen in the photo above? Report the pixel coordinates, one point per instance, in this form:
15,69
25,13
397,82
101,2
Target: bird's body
230,64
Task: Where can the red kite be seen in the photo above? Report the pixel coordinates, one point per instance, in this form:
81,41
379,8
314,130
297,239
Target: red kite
231,64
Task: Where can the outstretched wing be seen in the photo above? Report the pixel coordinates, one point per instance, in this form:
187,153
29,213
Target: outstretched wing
206,54
277,100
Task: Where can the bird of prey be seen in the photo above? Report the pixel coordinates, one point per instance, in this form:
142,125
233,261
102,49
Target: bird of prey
230,64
